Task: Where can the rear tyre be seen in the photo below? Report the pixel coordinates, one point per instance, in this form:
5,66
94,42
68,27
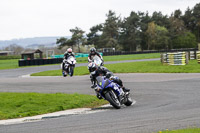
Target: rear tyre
113,100
129,101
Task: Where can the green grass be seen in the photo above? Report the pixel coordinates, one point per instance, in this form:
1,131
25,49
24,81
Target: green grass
15,105
13,63
9,64
134,67
153,67
131,57
7,57
189,130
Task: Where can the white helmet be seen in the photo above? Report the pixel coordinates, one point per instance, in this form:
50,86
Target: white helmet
69,50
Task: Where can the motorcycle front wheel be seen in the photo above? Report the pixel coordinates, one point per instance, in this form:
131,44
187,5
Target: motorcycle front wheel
71,71
112,99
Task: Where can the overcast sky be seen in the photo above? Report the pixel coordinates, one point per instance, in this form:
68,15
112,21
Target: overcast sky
36,18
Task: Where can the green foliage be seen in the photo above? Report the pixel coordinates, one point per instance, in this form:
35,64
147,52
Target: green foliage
196,21
151,35
130,35
15,105
76,39
186,40
93,38
162,38
157,37
109,37
140,30
10,57
62,42
160,19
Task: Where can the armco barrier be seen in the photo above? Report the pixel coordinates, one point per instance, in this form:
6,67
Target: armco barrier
77,55
39,62
147,51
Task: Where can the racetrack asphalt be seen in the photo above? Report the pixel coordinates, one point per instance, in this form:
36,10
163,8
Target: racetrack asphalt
164,101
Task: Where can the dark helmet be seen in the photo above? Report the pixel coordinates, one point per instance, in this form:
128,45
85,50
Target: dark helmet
92,50
92,67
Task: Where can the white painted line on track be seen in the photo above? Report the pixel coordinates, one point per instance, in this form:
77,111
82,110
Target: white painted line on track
57,114
50,115
25,76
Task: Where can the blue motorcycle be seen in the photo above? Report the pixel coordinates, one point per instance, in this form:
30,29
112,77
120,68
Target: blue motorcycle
112,92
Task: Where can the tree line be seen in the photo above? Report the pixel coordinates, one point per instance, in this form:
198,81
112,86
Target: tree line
141,31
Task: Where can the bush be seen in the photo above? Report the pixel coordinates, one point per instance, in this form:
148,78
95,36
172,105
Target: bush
10,57
186,40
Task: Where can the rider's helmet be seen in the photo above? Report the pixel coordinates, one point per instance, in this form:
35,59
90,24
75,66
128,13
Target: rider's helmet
92,67
69,51
92,50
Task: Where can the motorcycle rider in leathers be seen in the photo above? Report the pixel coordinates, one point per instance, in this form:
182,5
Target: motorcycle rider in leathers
96,71
67,54
93,52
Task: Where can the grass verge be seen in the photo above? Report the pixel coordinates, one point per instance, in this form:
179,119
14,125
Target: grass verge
15,105
134,67
9,64
131,57
189,130
153,67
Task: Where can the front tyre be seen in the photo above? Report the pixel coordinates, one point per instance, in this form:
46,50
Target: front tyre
64,73
71,71
112,99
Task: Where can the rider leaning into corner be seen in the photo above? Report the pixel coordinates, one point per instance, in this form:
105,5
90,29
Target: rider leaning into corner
93,52
67,54
96,71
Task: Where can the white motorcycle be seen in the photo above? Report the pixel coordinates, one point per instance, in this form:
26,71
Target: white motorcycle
97,60
69,65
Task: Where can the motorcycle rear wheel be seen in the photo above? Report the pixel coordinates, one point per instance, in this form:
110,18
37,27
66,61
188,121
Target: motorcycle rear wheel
129,101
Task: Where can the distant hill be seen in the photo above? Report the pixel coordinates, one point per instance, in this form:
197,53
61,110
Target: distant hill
31,42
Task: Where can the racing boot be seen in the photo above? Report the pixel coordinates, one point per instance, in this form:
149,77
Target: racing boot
125,89
93,86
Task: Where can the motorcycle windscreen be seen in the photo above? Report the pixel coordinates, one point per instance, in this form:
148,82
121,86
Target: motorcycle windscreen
97,60
101,82
71,60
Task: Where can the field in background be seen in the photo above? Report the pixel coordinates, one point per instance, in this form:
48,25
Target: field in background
13,63
9,64
133,67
